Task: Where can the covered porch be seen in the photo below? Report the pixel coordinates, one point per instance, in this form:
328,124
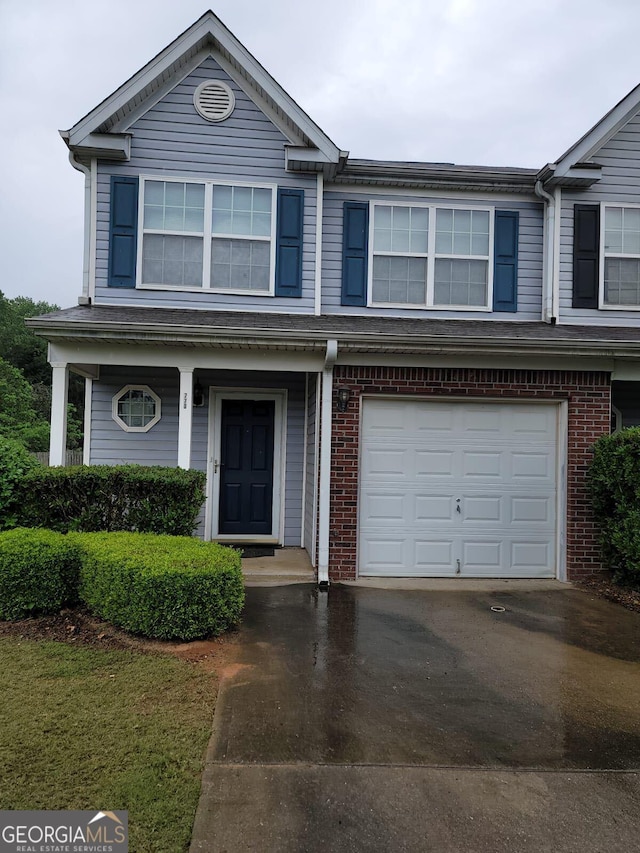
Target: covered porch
248,417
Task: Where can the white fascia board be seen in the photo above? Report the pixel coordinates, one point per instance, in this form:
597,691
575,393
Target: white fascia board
305,155
601,132
106,146
208,27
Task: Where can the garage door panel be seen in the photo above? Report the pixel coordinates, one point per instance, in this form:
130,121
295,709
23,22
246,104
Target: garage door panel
488,463
448,486
433,463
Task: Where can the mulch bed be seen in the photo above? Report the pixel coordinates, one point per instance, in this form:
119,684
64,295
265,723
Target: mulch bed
78,627
602,584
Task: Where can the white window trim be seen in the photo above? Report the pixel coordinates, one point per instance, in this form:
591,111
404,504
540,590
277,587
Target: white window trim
602,305
114,408
431,257
207,235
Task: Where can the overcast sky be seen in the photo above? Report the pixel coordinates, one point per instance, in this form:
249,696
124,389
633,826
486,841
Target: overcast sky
491,82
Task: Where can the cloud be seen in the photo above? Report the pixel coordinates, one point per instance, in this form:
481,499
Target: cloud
467,81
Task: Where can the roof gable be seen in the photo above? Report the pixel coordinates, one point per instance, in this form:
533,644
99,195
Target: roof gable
576,163
104,129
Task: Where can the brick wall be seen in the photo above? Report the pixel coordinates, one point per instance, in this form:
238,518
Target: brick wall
588,396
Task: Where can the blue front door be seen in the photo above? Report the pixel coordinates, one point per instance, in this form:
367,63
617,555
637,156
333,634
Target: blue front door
246,472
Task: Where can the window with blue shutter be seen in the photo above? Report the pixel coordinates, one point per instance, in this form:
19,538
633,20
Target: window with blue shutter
289,242
505,261
354,253
123,231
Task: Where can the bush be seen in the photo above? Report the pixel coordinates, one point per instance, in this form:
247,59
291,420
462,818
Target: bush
135,498
39,572
169,587
614,484
15,462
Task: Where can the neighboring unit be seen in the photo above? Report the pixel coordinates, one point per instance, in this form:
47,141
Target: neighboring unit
399,367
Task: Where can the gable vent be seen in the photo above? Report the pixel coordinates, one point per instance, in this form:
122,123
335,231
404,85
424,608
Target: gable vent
214,100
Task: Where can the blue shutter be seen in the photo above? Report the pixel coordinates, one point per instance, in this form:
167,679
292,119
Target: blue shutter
289,242
123,232
505,261
355,235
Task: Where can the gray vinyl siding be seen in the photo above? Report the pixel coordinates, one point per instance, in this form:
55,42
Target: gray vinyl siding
530,249
619,184
111,445
311,470
172,139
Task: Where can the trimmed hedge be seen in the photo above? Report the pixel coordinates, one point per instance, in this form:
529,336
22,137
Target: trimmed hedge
39,572
614,484
137,498
167,587
15,462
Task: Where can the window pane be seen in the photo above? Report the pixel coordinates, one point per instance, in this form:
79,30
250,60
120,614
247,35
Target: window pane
460,282
154,192
402,230
400,240
153,217
222,198
136,408
400,280
195,196
621,281
174,193
242,211
170,259
240,264
382,216
462,232
382,240
622,230
221,223
165,208
242,197
262,200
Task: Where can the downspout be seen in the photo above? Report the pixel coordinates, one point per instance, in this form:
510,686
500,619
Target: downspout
89,229
325,464
548,314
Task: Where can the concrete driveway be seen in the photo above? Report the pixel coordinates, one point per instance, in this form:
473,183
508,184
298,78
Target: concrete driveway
415,720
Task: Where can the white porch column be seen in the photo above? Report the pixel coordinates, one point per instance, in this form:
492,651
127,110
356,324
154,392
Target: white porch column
185,417
59,394
325,463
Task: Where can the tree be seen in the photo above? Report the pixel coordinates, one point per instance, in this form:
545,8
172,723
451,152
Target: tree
26,352
18,418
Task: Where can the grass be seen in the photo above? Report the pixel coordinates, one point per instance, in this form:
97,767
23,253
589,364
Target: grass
90,729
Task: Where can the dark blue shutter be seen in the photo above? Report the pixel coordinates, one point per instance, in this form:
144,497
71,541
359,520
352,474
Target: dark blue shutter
355,238
586,255
289,242
123,232
505,261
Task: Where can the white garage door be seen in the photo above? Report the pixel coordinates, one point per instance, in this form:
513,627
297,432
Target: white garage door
457,488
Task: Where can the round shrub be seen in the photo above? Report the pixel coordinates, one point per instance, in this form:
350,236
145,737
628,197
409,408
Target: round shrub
15,462
167,587
39,572
614,484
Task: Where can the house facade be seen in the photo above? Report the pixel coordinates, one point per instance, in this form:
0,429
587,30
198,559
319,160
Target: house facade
399,367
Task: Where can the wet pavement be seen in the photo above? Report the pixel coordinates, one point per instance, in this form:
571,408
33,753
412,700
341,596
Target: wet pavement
374,719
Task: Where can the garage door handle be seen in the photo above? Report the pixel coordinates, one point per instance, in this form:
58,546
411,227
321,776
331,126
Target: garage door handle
458,507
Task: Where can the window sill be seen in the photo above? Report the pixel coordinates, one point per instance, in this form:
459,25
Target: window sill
179,289
414,307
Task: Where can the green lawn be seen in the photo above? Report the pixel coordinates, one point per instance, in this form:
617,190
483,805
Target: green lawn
88,729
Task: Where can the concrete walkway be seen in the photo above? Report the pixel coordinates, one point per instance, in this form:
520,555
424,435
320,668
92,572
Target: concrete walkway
368,719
